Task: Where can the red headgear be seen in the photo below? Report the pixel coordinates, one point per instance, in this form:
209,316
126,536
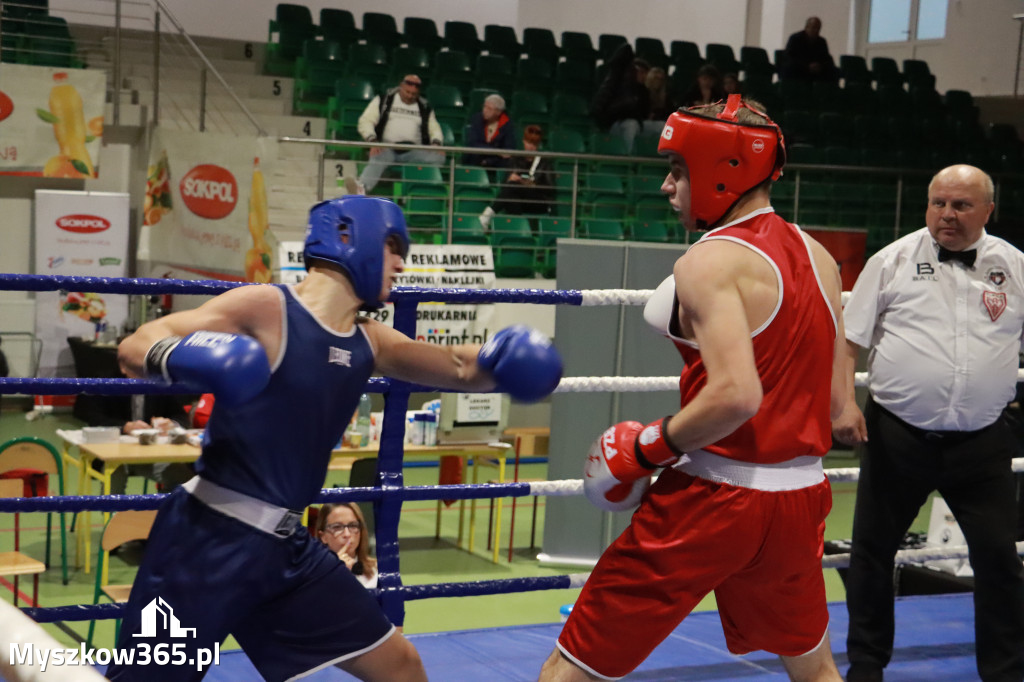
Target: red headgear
725,158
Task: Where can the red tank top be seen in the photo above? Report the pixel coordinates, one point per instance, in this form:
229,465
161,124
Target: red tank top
793,352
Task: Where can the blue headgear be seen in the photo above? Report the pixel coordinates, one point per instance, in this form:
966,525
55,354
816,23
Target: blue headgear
351,232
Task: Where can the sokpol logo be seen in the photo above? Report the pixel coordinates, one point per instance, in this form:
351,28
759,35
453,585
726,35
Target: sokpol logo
6,105
209,191
83,224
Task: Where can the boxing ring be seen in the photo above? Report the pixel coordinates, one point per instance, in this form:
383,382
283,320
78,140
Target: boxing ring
696,651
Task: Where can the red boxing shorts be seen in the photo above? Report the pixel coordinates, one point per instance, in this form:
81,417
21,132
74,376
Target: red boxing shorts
759,551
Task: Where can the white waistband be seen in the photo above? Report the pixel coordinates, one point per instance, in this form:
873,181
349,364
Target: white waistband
260,515
794,474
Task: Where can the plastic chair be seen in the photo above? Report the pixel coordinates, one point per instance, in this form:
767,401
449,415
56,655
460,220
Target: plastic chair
293,25
722,56
338,25
502,40
603,229
406,60
534,73
466,229
575,76
15,563
916,72
422,33
854,69
453,68
650,231
886,71
539,43
448,104
367,60
607,43
577,45
550,229
529,107
23,460
351,97
566,141
571,110
607,144
47,42
381,28
756,60
123,526
652,50
461,36
493,71
316,72
515,247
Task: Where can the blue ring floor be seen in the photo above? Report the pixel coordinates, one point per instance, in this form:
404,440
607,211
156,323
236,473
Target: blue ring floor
934,642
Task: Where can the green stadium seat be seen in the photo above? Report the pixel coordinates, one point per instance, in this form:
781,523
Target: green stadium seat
826,96
859,98
854,69
321,64
886,72
577,45
607,43
420,180
367,60
477,96
684,52
534,73
652,50
799,126
502,40
339,25
603,229
466,229
407,60
571,111
916,72
447,103
607,144
47,42
453,68
291,27
529,107
428,208
723,57
461,36
422,33
575,76
650,231
566,141
351,96
540,44
494,71
382,29
755,60
515,247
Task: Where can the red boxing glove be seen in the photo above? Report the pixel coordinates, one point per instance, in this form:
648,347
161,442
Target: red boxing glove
621,461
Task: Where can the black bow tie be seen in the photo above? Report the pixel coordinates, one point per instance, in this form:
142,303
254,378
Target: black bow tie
966,257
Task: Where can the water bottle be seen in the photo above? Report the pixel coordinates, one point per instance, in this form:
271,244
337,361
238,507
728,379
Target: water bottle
363,420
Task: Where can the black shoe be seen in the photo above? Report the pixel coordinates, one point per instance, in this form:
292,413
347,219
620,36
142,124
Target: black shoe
864,672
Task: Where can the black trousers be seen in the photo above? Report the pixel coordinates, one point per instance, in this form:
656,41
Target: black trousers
901,466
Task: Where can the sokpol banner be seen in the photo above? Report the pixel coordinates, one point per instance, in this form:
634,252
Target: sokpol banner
84,234
205,208
51,121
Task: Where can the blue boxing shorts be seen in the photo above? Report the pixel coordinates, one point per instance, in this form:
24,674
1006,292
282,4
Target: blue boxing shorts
292,605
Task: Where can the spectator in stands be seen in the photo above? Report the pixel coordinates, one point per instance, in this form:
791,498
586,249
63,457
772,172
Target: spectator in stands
807,55
490,128
707,89
343,529
731,84
530,185
662,102
401,116
622,102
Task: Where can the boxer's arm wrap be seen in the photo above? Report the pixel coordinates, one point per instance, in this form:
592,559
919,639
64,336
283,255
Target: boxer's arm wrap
653,448
234,367
524,363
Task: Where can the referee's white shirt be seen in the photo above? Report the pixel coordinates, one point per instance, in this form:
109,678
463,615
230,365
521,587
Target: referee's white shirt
944,339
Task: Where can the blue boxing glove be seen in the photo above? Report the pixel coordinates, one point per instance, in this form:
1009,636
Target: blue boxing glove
523,362
233,367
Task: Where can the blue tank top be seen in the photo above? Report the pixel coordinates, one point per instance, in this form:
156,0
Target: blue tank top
277,446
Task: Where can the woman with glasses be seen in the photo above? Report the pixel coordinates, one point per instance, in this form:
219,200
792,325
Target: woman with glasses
342,528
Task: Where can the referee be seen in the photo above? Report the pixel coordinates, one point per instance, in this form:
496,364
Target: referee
942,312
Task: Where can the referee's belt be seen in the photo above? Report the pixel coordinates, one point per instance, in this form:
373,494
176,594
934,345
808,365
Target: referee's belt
260,515
933,436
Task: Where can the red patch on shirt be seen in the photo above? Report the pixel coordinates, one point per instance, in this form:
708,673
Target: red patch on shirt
995,303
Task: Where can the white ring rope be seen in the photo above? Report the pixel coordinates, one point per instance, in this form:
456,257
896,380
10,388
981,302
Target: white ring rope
592,297
911,556
606,384
18,630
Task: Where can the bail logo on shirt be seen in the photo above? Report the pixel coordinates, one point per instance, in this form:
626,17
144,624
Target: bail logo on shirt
995,303
997,276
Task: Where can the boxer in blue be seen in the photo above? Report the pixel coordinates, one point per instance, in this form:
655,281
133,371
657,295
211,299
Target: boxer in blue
287,364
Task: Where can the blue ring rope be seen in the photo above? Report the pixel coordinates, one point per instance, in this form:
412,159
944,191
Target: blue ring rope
150,286
387,495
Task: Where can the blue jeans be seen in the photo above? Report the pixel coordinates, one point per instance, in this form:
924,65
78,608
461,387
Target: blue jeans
376,165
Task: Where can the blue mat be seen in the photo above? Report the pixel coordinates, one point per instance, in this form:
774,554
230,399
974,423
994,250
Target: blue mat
934,642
